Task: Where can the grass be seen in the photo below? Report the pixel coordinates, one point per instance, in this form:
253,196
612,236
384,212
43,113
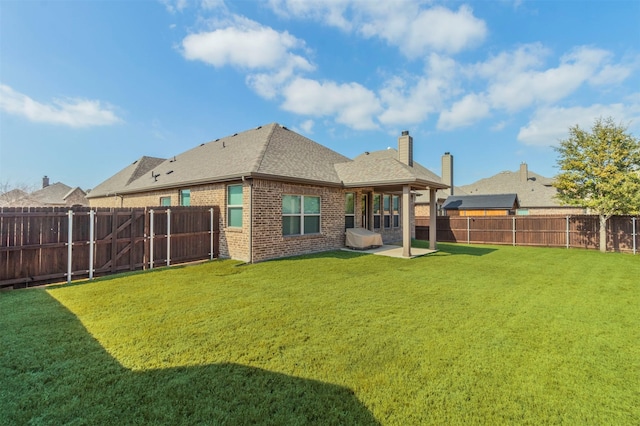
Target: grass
472,334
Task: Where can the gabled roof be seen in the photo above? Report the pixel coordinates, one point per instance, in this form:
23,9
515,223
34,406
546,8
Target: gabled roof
481,202
52,194
270,151
124,177
536,191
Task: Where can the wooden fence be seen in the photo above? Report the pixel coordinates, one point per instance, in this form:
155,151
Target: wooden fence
42,245
548,231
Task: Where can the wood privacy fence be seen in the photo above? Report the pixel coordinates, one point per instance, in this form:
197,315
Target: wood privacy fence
548,231
41,245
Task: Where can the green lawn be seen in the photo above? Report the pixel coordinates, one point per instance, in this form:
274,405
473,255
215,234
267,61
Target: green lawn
471,334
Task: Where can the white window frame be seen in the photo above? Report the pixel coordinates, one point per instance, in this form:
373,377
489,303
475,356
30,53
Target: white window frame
234,206
302,215
353,213
182,191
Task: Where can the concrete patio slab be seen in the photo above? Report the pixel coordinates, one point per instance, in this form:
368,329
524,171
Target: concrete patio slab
393,251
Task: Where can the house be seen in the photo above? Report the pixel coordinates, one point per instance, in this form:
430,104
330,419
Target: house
50,195
422,197
481,205
280,193
536,193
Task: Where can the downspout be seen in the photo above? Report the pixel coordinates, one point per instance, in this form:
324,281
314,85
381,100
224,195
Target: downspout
250,219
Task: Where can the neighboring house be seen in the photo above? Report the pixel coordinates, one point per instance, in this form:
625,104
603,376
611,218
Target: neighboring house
423,199
481,205
536,193
54,195
279,193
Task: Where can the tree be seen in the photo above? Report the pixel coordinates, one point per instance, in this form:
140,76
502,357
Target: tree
600,170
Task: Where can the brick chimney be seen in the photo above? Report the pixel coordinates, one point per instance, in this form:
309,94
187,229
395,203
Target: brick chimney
447,172
45,181
405,148
524,172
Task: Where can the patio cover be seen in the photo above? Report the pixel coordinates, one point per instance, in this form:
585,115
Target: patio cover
361,238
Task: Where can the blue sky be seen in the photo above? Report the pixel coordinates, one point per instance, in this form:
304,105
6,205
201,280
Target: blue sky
87,87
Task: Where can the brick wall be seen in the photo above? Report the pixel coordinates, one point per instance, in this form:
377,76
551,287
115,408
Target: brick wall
266,233
268,241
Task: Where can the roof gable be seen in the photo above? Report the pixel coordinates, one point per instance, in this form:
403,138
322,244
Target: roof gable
536,191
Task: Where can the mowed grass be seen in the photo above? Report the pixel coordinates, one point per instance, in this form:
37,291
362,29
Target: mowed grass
471,334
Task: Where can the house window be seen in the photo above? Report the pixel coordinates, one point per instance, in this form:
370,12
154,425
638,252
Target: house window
300,215
376,211
350,210
522,212
386,204
234,206
185,197
165,201
396,211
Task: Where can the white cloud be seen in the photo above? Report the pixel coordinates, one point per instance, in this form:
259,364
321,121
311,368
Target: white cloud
468,110
307,126
404,24
351,104
69,112
252,48
174,6
551,124
518,79
410,104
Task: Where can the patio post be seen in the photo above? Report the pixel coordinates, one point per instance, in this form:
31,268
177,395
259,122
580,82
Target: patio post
433,201
406,221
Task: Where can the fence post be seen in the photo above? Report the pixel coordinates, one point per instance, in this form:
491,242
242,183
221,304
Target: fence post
151,235
634,235
91,241
514,231
567,232
69,245
211,233
168,237
468,230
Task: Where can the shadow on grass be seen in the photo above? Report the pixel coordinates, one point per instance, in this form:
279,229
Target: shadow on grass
457,249
54,372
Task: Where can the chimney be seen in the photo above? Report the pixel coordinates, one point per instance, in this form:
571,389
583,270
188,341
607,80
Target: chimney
447,172
524,172
405,148
45,181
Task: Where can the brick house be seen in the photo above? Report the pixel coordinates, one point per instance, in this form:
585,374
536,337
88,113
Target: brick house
280,193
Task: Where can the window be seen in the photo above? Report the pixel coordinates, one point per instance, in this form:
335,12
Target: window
234,206
376,211
386,203
396,211
349,210
185,197
300,215
165,201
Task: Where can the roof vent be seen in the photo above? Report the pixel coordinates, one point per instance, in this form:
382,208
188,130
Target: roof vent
259,127
366,153
223,145
217,140
284,128
235,134
169,172
173,159
201,144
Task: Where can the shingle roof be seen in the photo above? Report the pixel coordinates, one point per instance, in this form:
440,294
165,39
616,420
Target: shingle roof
52,194
266,151
484,202
535,192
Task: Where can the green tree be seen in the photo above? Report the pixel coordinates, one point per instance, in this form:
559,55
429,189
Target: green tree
600,170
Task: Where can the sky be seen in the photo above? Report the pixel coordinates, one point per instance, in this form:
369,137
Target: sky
88,87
